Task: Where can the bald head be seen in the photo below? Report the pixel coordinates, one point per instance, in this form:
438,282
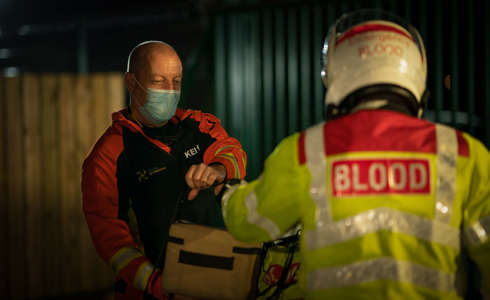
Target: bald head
152,64
142,55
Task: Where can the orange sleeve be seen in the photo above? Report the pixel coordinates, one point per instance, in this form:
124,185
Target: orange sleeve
225,150
111,235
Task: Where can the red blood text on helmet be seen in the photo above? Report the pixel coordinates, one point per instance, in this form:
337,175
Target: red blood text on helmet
379,49
380,176
381,37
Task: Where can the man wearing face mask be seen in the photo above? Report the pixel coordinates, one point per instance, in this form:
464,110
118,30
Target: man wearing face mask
153,156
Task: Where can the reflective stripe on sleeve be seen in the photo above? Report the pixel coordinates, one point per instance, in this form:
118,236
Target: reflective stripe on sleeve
380,269
226,147
317,165
123,257
227,194
447,153
382,219
255,218
478,233
142,275
231,157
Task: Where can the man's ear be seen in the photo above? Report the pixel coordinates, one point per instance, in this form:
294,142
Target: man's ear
129,82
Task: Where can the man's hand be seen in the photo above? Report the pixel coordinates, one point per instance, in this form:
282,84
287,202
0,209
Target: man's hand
201,177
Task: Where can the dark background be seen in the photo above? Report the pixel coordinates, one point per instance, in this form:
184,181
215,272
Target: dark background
255,64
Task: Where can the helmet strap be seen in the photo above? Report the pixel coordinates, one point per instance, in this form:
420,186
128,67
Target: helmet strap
397,99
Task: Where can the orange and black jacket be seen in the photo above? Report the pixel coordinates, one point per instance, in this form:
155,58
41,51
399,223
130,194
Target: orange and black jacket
142,170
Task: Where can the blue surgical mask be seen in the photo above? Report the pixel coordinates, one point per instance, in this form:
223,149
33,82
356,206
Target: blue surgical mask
160,104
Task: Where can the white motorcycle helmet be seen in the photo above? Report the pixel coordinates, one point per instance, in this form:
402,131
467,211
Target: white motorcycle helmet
373,55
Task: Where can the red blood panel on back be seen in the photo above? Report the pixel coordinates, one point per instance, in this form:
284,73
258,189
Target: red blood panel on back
380,176
301,149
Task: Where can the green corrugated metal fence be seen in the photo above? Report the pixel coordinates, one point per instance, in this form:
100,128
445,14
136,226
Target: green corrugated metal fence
267,66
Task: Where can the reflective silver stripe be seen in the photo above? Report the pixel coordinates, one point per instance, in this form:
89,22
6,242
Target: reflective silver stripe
479,232
317,165
123,257
381,269
231,157
378,219
226,147
254,217
142,276
447,153
227,194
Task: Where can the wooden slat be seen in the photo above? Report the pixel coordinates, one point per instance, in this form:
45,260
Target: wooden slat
69,186
15,191
51,251
100,104
32,172
116,93
47,127
85,125
5,282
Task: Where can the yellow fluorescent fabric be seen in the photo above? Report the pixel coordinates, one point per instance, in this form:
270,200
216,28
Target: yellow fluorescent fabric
475,172
231,157
282,206
142,275
123,257
415,237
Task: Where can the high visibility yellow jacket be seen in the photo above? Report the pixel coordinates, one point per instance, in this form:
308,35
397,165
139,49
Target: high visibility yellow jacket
386,201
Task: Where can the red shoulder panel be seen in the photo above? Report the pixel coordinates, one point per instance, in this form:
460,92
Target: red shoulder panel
463,148
301,148
379,130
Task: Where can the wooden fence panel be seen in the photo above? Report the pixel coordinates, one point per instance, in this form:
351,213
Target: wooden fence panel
100,103
15,190
32,151
48,124
101,118
115,94
50,182
4,278
85,127
70,205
